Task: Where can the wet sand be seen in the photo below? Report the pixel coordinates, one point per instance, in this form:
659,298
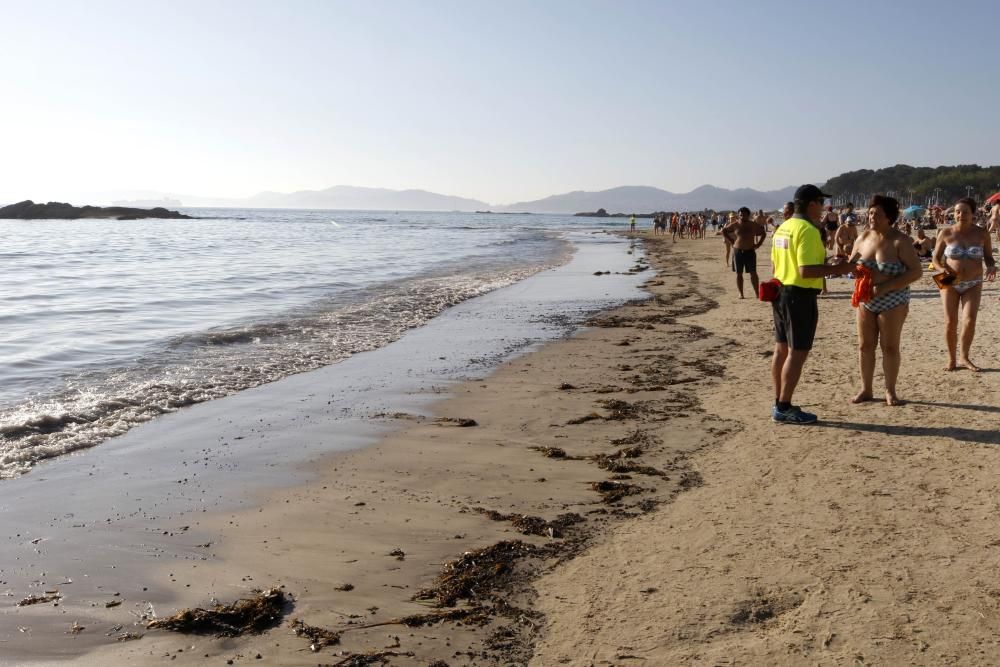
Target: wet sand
121,522
868,538
627,386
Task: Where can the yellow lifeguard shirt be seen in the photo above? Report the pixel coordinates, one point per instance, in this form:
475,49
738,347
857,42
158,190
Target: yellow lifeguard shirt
796,243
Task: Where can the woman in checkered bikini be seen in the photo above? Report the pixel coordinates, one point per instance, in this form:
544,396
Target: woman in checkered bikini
890,256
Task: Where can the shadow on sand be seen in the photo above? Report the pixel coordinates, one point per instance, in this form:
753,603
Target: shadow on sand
961,434
958,406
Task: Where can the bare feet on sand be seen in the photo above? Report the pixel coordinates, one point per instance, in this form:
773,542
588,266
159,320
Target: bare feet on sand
891,398
965,364
971,366
863,397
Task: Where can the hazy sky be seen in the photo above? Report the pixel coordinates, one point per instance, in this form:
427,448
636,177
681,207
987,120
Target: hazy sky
497,100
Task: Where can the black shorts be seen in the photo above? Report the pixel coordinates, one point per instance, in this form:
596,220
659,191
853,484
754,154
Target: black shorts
795,317
744,261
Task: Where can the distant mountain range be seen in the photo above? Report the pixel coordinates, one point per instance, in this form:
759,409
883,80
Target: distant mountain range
645,199
625,199
354,198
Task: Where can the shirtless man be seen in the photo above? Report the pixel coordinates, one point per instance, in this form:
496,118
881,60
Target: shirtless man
846,235
746,236
923,245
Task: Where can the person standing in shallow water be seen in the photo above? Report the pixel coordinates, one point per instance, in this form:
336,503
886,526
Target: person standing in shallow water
798,255
745,235
961,250
892,260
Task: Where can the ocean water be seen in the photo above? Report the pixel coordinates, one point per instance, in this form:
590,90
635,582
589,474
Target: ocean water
106,324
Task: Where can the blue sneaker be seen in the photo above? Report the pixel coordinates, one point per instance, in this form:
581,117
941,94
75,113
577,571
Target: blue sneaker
793,415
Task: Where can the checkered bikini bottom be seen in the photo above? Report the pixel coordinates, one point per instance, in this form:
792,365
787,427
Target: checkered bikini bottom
884,302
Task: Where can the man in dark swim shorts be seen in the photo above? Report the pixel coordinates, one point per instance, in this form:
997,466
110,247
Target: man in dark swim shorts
746,236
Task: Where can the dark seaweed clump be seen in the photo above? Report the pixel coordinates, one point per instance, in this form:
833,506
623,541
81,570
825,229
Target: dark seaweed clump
250,615
476,574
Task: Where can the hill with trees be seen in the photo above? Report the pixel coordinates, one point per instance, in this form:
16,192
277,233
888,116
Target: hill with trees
916,185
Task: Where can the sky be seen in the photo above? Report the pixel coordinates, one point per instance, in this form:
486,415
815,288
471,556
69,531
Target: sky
498,101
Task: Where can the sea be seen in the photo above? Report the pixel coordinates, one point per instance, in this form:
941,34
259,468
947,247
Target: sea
106,324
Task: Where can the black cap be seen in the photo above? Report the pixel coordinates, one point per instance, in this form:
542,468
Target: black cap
810,192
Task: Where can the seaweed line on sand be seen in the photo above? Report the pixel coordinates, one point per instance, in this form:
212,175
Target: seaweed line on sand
476,574
534,525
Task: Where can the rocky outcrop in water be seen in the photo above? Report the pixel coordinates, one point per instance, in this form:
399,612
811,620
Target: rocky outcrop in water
29,210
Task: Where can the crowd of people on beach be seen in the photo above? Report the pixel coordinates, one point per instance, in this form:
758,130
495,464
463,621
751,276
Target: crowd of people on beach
883,251
683,225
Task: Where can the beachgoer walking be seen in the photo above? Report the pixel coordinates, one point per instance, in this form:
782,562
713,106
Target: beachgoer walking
889,256
787,211
994,225
829,228
631,224
798,256
847,214
961,250
729,244
745,236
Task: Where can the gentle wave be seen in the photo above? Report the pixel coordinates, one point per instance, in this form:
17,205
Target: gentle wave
194,368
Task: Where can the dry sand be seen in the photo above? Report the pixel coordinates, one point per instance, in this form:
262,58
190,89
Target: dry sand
869,538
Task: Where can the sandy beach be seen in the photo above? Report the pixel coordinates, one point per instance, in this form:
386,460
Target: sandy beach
870,538
672,523
399,334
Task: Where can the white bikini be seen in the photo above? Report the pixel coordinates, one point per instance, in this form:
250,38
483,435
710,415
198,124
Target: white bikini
974,252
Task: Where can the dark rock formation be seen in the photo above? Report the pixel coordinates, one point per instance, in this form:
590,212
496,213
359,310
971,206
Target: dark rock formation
599,213
29,210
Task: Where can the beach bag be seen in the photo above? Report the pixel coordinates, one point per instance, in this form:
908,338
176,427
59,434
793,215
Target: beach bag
769,290
943,279
863,286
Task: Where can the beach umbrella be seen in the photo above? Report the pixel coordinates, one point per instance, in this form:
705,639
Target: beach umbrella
995,199
913,211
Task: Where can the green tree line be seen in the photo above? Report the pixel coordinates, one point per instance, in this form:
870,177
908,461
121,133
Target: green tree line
916,185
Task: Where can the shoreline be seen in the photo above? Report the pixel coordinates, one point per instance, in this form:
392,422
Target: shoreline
339,530
150,463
